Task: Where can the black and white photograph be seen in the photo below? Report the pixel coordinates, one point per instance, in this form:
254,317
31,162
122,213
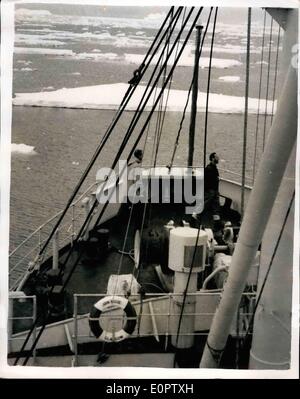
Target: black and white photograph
149,213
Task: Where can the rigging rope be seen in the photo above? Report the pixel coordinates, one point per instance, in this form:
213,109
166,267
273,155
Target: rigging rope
259,93
208,88
269,268
126,138
157,127
246,114
123,104
164,86
199,227
130,155
154,160
146,204
188,98
154,157
132,125
268,82
146,139
276,71
82,229
156,130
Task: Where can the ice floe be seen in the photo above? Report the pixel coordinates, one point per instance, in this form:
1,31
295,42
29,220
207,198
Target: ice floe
230,78
96,56
23,12
231,49
35,50
22,149
109,97
59,38
24,62
27,69
151,21
33,40
45,18
187,59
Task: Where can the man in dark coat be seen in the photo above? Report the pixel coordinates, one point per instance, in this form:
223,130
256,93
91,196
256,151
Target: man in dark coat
211,187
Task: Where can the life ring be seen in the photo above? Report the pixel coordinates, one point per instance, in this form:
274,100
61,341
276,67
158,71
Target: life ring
109,303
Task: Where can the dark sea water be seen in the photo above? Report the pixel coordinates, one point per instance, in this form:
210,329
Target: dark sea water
65,139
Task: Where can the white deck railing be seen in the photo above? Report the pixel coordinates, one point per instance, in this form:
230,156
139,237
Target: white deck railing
24,258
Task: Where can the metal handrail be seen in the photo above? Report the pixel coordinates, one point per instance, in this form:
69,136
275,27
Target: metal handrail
152,297
159,294
14,337
67,231
51,219
250,178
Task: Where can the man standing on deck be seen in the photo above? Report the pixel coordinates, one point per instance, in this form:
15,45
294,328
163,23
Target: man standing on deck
211,187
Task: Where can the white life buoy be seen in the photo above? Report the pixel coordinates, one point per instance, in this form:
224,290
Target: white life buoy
109,303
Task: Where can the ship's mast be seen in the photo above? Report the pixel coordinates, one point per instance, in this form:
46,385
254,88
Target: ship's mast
194,97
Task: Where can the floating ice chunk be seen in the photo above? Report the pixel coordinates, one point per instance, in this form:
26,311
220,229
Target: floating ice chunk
33,40
231,49
156,16
24,62
27,69
22,149
230,78
110,96
32,50
96,56
186,60
26,11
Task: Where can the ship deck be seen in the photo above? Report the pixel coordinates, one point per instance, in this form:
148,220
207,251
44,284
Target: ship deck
88,281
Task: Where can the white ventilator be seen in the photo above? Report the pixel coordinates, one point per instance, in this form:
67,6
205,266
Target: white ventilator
187,250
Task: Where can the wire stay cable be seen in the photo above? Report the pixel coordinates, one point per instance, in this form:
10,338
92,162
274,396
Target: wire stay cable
136,142
276,73
176,16
188,99
259,95
124,102
244,159
268,83
208,89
